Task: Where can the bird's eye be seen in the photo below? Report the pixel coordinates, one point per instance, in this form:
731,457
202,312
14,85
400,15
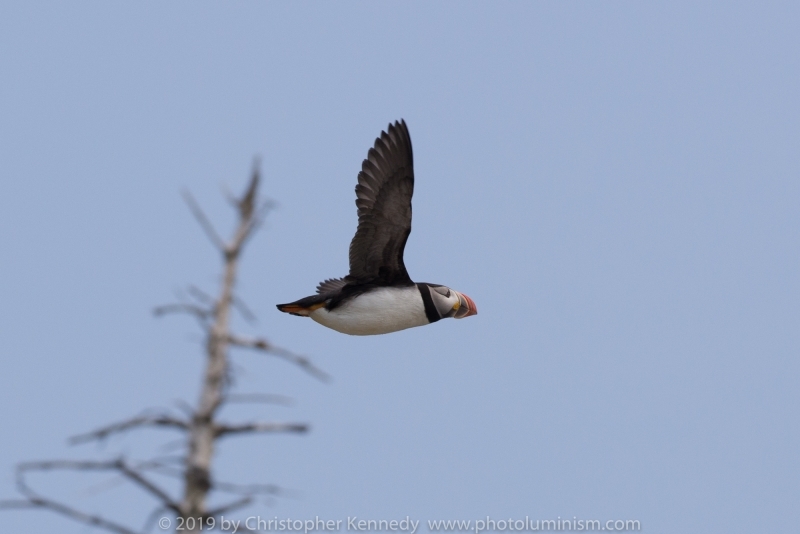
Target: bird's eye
443,291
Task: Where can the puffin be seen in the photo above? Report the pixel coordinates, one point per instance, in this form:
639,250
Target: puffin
378,296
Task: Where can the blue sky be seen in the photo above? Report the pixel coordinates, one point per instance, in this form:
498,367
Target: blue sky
614,184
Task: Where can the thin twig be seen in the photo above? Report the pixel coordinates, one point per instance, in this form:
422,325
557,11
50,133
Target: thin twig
185,407
202,315
200,295
224,430
118,465
48,465
265,398
248,200
149,486
34,500
245,310
104,485
175,472
122,426
72,513
248,489
264,346
172,445
208,228
258,218
235,505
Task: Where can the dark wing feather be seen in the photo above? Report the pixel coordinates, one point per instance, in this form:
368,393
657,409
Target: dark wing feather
383,197
331,285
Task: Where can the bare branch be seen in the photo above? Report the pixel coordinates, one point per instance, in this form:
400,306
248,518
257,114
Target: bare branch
264,346
118,465
235,505
247,203
201,295
301,361
160,461
166,470
172,445
202,315
34,500
48,465
208,228
256,221
105,485
248,489
265,398
185,407
229,196
136,477
72,513
224,430
158,466
259,216
144,420
240,305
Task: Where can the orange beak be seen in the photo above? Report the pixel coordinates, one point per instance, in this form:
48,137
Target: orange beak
467,307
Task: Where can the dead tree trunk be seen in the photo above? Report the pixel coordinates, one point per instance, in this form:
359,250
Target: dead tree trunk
201,424
203,429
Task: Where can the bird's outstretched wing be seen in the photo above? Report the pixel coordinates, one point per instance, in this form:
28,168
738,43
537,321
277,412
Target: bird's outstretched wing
383,197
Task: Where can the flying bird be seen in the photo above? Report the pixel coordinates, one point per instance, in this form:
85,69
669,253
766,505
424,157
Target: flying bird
378,296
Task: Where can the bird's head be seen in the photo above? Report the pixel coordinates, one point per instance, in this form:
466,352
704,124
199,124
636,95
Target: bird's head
451,303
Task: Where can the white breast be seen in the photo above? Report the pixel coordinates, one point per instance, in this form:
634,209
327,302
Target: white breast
380,311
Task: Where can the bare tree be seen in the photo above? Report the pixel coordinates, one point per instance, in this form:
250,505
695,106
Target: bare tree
200,425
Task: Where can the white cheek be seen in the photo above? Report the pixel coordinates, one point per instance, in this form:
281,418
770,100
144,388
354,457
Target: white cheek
444,305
